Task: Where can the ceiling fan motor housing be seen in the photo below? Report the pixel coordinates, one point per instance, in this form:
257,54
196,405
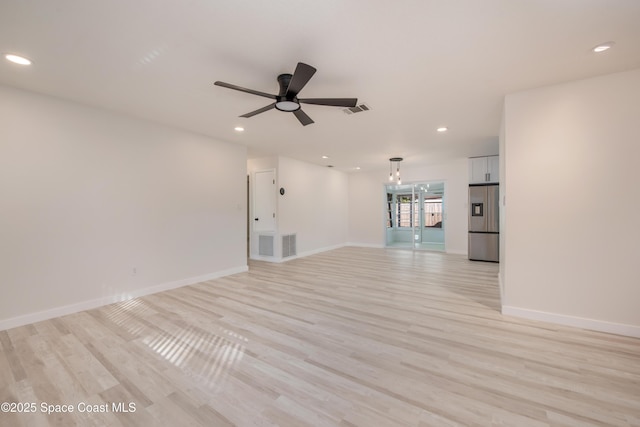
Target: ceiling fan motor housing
283,81
283,103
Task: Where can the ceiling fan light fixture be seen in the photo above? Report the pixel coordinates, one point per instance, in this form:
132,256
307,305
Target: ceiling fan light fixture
287,106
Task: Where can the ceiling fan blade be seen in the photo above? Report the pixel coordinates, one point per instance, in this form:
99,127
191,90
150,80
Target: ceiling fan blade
302,116
300,78
334,102
260,110
243,89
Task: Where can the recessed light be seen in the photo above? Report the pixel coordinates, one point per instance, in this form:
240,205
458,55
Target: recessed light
239,129
18,59
357,168
325,157
442,129
602,47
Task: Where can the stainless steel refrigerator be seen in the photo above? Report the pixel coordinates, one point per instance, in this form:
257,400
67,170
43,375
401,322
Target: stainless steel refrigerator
484,237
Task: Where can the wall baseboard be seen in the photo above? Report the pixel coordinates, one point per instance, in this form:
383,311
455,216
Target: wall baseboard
319,250
457,252
300,255
382,246
40,316
330,248
578,322
265,258
365,245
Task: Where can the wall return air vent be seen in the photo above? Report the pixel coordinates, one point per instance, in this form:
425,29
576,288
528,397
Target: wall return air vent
265,245
289,245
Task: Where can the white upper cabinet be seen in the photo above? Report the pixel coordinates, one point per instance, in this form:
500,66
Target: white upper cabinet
484,170
493,163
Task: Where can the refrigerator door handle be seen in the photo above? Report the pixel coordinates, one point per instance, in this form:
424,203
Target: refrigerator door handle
492,217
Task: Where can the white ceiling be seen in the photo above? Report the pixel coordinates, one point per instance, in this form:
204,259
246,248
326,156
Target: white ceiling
419,64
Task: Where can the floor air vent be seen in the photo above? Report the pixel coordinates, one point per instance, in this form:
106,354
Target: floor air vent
288,245
357,109
265,245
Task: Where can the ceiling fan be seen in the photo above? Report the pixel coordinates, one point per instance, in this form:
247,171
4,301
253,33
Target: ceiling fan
287,99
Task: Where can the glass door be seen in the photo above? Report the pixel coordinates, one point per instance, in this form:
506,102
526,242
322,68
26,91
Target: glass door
414,216
430,198
400,216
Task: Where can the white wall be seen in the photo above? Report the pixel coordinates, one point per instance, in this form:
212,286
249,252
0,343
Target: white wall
262,163
315,205
87,195
366,207
572,228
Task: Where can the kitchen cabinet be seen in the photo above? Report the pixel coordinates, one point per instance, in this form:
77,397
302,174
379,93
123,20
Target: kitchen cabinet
484,170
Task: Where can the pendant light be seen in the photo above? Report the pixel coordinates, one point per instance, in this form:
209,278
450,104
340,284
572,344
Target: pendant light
397,161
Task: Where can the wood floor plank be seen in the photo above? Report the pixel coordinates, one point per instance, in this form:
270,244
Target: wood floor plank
11,357
349,337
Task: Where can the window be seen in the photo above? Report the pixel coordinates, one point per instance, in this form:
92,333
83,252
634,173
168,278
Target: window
404,210
433,212
407,210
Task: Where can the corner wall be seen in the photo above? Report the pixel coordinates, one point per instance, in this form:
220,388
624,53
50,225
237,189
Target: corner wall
97,207
572,240
314,206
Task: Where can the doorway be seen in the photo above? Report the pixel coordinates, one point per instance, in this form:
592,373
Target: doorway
415,216
264,201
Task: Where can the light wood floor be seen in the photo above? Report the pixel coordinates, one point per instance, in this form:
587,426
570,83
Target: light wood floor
351,337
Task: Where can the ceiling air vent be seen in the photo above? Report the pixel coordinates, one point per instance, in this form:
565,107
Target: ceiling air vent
357,109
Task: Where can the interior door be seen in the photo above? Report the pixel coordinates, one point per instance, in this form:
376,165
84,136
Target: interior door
264,201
